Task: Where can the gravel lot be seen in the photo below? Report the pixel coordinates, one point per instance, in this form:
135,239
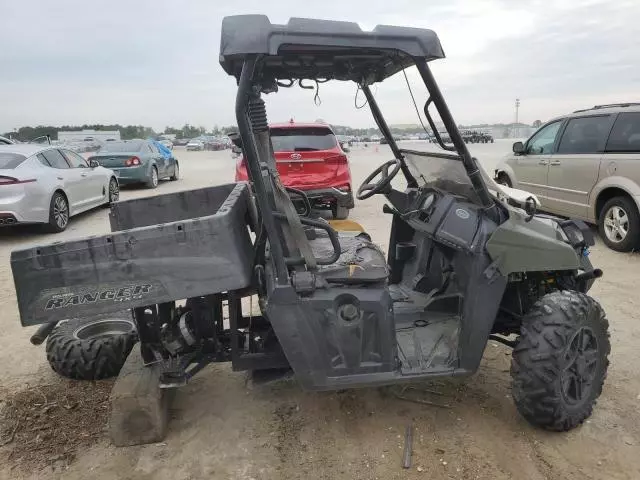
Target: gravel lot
223,428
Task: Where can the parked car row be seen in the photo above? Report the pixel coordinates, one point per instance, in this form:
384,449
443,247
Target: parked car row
207,142
48,184
585,165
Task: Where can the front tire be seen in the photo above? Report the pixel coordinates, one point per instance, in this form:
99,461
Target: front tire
91,349
560,361
176,173
58,213
619,224
340,212
153,179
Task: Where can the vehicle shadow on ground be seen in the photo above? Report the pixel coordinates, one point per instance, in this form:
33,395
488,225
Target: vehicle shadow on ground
20,233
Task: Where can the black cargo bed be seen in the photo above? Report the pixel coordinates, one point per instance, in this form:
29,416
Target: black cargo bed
162,248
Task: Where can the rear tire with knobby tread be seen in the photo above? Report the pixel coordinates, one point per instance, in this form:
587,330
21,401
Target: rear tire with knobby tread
539,359
89,359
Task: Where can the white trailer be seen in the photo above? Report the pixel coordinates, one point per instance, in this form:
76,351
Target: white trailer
88,136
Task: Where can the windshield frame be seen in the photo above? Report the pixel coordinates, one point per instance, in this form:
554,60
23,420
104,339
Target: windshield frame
459,146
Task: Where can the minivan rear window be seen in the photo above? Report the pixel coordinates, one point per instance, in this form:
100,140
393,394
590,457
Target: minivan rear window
306,139
625,136
10,161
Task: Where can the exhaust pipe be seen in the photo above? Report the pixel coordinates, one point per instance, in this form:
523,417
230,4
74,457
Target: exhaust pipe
10,221
42,333
585,276
1,221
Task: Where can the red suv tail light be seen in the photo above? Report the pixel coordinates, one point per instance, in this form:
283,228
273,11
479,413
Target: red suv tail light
336,160
132,162
14,181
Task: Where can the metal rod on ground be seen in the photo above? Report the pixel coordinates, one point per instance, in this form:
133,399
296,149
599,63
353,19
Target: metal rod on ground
408,447
42,333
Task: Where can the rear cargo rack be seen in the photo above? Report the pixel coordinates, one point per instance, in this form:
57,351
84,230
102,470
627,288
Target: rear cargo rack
161,249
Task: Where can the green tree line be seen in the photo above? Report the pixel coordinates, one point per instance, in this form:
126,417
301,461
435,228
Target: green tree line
127,132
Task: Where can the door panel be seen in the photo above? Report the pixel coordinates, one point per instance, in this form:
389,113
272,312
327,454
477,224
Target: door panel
574,166
532,167
570,180
70,178
92,181
531,173
160,161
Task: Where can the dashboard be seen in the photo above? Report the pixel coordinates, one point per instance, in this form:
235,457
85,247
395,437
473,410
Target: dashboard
446,218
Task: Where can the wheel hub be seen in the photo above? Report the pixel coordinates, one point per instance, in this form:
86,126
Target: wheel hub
616,224
581,361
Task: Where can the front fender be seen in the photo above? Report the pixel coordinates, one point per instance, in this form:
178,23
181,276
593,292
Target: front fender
520,246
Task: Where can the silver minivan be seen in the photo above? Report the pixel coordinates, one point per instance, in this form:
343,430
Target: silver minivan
585,165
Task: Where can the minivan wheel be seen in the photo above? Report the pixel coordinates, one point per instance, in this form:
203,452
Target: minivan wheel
619,224
503,179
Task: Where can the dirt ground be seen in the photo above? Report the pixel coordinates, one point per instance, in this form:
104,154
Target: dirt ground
224,427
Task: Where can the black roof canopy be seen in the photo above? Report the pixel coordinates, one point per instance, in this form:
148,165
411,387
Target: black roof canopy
324,49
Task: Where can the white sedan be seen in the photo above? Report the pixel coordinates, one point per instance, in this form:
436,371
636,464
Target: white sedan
48,185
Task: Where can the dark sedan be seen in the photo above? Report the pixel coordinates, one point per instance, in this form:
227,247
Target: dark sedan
137,161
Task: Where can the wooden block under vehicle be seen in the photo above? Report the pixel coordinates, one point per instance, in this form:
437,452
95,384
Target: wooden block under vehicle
139,407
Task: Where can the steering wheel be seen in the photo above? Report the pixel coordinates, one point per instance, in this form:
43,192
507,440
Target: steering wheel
368,189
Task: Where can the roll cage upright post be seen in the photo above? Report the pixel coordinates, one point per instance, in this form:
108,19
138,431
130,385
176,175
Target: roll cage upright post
384,128
467,160
254,166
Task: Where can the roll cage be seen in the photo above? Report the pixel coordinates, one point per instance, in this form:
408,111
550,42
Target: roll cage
264,57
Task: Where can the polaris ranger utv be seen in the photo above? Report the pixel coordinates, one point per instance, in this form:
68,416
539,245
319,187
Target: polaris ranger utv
464,266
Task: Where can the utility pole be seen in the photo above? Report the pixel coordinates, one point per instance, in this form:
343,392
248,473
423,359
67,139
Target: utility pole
516,129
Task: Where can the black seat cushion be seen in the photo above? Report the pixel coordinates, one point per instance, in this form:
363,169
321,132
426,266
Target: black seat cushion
361,261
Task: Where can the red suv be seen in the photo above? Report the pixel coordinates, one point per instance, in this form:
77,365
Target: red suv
309,158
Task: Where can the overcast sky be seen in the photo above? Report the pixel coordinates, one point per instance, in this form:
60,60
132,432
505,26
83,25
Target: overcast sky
156,62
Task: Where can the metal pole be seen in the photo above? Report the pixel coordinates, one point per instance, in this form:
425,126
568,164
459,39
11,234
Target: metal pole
516,126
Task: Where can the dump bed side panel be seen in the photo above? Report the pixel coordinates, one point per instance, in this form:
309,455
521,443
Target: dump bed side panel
137,267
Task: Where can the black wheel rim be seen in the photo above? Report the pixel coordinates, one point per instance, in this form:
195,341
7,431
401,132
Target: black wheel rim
60,211
103,328
581,363
114,191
